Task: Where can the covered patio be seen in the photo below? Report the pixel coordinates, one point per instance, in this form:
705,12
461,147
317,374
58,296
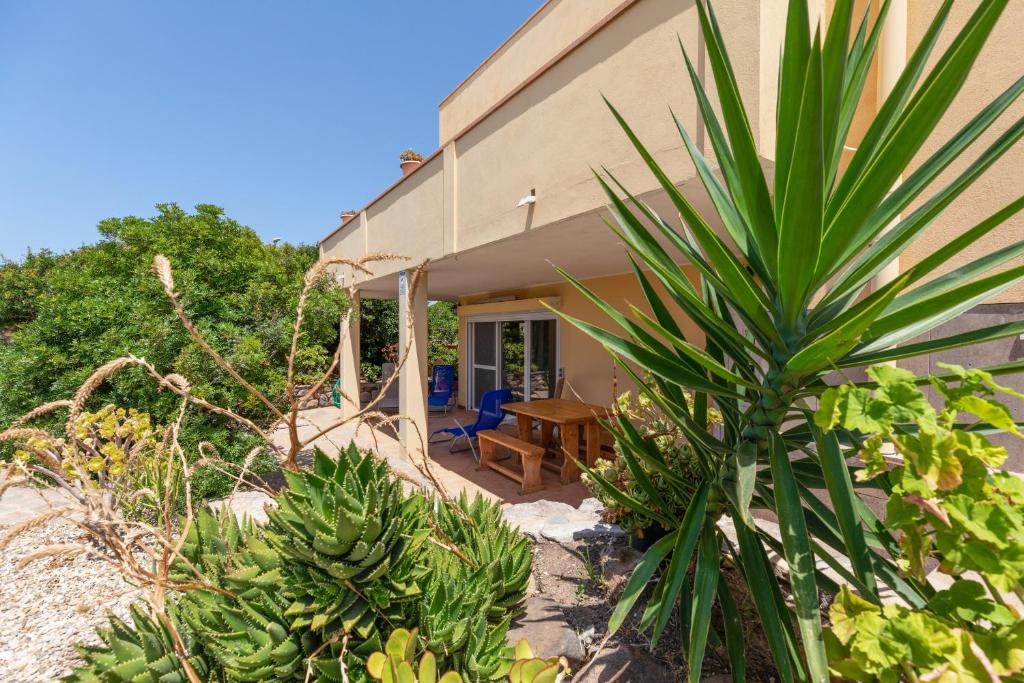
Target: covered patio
456,471
509,296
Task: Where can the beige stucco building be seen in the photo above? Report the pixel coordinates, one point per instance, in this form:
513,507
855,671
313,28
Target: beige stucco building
509,192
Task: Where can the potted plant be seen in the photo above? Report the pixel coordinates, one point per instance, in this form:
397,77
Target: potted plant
409,161
347,215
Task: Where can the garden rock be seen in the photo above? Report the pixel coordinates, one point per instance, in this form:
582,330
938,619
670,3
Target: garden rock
545,628
246,504
627,664
561,522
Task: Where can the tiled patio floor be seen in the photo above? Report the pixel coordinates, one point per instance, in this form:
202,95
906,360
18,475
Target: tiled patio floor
456,471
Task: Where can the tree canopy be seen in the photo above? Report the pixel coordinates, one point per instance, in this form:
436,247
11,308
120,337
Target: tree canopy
75,311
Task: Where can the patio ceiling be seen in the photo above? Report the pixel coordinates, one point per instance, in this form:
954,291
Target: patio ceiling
582,245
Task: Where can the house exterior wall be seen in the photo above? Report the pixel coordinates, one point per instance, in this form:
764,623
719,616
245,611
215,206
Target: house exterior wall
553,28
410,220
997,67
589,369
552,126
1000,64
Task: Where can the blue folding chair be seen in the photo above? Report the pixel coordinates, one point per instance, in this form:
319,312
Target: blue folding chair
441,387
489,416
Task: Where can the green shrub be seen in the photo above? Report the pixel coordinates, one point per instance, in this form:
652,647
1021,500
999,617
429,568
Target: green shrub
76,311
948,501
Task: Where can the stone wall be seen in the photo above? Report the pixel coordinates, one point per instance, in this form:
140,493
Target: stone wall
981,355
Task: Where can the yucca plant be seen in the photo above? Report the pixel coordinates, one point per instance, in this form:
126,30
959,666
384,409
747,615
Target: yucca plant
786,299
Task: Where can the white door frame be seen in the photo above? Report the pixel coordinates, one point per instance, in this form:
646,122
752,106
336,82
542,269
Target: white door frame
499,318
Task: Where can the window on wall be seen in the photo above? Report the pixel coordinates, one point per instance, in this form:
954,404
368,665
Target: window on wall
520,354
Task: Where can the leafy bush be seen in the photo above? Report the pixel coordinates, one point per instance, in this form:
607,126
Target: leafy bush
369,372
346,555
947,501
379,334
410,155
76,311
442,334
673,492
115,450
395,663
785,300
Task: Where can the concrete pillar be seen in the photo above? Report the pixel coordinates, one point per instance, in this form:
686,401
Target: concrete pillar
892,59
412,378
349,360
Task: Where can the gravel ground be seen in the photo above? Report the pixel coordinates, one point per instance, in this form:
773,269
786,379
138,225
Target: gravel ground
52,604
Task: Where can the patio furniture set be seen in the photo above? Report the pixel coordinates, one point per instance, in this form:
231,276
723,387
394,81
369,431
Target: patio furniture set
566,428
577,423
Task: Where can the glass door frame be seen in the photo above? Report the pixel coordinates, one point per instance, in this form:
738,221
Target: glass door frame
499,318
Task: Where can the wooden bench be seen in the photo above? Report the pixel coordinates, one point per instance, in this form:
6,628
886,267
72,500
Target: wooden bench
530,458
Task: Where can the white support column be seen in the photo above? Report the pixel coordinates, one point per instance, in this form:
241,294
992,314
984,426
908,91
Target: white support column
892,59
412,378
349,360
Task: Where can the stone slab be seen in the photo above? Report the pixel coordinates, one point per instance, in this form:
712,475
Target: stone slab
546,630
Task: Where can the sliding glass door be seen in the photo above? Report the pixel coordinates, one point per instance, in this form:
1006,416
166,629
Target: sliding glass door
543,356
483,359
520,354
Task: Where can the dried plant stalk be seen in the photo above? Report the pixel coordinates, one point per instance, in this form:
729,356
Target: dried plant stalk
143,552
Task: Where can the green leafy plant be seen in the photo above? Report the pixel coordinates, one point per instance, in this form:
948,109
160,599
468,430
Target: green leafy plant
478,529
240,615
410,155
398,664
369,372
784,300
947,500
115,450
352,539
345,555
674,493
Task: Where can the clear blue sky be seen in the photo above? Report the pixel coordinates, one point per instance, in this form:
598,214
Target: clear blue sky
284,113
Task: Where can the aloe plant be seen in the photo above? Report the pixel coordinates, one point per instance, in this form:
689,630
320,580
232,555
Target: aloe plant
488,542
785,299
344,556
351,539
241,616
139,653
480,570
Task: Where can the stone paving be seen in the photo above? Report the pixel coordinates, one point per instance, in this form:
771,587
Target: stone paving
561,522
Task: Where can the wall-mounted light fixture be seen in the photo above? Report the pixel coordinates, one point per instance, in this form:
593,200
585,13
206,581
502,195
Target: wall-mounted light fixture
528,199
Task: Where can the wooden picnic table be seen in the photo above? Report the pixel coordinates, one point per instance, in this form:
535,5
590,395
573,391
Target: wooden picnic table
572,418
